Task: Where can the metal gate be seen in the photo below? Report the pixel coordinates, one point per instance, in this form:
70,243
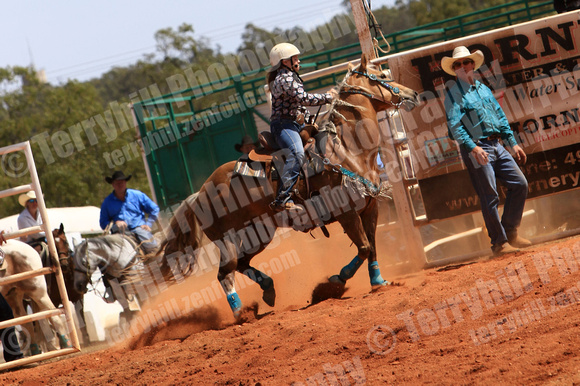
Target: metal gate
56,269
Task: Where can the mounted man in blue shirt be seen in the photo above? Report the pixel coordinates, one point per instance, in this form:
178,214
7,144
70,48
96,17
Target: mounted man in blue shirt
127,208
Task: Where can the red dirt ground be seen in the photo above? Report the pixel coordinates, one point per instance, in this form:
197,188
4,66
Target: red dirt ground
508,320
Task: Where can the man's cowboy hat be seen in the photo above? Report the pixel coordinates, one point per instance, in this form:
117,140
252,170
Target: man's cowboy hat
23,198
118,175
461,52
247,140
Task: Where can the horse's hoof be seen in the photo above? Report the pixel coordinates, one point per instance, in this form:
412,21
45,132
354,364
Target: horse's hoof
269,296
335,279
382,284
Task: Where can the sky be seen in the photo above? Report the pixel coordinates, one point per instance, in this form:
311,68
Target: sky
82,39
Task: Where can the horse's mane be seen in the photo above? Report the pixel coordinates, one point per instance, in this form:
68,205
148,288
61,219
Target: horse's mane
334,116
109,241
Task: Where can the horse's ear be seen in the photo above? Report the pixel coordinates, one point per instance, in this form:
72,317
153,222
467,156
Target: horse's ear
76,242
363,63
351,66
61,229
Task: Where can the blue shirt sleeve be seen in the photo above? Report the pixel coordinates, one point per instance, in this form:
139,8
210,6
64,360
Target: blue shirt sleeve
149,207
105,218
456,118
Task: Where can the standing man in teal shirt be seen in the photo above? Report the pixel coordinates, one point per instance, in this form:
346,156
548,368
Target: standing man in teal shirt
477,122
127,208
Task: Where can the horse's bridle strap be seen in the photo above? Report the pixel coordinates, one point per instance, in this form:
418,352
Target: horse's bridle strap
373,77
384,83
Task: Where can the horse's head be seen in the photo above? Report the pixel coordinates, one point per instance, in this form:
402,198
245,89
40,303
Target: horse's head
369,80
82,268
62,248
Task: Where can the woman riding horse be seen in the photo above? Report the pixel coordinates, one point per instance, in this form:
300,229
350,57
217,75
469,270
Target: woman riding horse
233,210
288,116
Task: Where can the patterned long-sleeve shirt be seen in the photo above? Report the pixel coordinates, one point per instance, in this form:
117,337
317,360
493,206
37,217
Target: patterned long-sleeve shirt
288,95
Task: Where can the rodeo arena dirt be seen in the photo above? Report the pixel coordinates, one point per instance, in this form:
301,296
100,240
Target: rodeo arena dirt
507,320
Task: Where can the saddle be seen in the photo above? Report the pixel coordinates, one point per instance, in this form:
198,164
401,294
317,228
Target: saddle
309,135
261,163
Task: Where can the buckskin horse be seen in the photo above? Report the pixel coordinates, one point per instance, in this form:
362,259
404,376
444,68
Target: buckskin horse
232,210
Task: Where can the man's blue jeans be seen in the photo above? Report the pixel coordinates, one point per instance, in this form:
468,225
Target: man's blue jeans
146,239
502,166
287,134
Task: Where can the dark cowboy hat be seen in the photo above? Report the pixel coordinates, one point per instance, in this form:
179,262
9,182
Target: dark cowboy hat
245,141
118,175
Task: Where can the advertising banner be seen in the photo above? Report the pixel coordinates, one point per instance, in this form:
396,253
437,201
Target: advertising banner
534,72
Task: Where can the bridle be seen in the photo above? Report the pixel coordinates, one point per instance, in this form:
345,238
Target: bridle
62,254
86,264
351,89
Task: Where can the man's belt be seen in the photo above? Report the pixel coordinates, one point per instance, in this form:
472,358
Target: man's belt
494,137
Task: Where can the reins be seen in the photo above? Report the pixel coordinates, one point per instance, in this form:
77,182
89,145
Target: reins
363,185
368,188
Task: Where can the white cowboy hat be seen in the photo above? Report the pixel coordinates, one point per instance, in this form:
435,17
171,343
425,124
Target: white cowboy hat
25,197
461,52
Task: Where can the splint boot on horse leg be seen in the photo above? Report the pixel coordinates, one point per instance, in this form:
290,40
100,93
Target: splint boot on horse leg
226,275
361,230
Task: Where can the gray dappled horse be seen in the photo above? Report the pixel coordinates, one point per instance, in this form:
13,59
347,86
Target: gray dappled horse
116,256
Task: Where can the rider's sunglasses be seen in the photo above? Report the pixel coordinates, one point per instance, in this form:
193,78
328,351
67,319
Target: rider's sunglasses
32,200
465,63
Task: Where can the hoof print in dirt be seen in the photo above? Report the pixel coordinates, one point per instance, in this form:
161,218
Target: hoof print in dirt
247,314
385,287
324,291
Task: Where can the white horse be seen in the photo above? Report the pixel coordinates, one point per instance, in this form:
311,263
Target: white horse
116,256
21,257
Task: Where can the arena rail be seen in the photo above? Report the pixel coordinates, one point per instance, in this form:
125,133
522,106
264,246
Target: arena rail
56,269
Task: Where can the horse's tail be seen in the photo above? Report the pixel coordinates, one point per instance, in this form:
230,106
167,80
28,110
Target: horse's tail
179,247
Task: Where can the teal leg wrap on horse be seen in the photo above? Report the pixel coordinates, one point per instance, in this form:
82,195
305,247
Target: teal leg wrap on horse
235,303
375,275
35,349
64,341
348,271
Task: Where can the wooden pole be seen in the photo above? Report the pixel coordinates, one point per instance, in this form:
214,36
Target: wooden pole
411,235
362,28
